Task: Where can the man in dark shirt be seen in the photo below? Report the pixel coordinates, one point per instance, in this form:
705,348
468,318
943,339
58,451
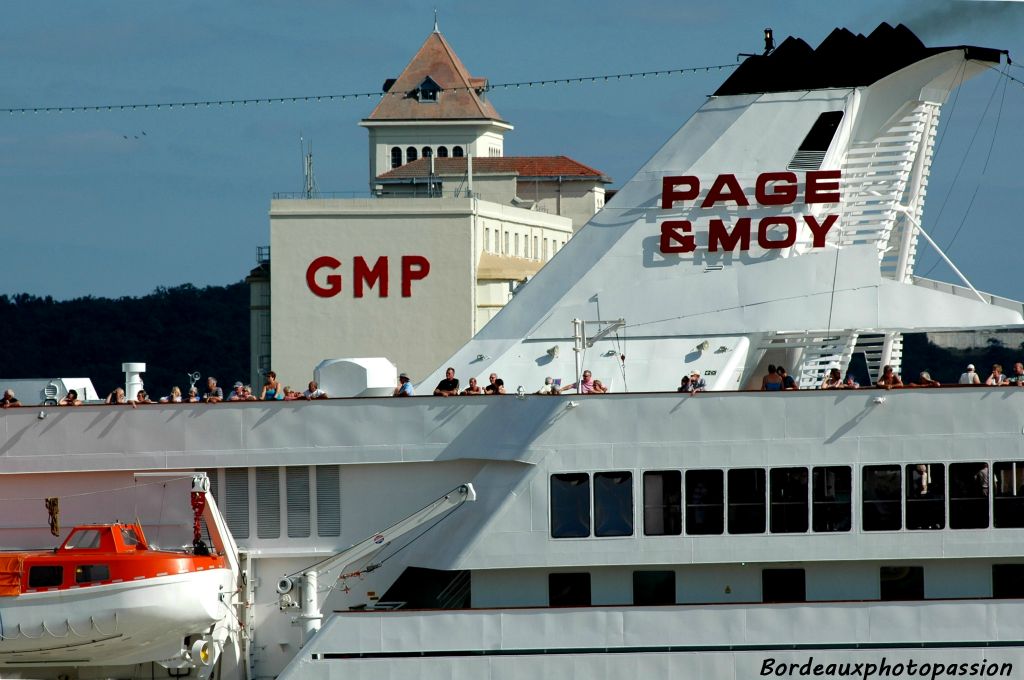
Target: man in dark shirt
449,387
213,393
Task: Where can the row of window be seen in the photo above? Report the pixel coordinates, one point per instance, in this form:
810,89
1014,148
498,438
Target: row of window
572,589
281,496
790,500
519,245
412,153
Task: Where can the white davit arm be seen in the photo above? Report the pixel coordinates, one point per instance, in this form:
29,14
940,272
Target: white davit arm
220,535
311,616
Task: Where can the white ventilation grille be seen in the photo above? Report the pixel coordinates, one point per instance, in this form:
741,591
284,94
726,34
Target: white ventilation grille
328,500
268,503
297,490
236,501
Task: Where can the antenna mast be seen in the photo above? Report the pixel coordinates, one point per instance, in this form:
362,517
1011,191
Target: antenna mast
309,189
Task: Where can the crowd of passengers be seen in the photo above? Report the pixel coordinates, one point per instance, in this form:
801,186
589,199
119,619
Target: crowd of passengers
776,379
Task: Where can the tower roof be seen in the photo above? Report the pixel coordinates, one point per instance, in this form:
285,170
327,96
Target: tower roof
435,66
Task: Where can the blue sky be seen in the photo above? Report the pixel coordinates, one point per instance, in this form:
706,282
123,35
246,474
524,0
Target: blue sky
84,211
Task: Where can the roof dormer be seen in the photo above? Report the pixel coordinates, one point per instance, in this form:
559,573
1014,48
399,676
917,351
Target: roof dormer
427,91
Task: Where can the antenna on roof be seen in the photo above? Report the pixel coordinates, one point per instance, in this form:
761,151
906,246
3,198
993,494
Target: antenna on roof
309,186
436,29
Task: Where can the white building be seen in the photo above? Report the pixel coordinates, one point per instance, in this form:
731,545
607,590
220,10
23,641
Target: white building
451,227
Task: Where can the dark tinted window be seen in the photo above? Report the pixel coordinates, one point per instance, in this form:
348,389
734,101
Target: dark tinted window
45,577
410,154
457,152
570,505
901,583
1008,580
427,152
704,508
926,496
89,573
654,587
832,509
968,495
396,157
613,504
746,501
570,589
789,500
783,585
663,511
881,491
442,152
1008,502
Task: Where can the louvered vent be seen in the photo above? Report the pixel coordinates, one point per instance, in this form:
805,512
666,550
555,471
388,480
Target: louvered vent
268,503
811,153
297,484
328,500
236,501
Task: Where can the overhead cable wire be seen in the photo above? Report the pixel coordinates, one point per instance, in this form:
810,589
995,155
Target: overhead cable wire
184,104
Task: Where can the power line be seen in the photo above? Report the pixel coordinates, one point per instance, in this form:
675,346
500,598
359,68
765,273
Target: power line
97,108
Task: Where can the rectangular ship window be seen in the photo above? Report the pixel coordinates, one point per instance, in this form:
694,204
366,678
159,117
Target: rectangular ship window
90,573
613,504
926,496
746,501
1007,580
654,587
881,498
789,500
663,510
1008,502
570,505
832,508
45,576
569,589
968,496
783,585
704,502
901,583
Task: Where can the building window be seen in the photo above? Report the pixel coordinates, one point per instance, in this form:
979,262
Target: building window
881,503
536,252
901,583
746,501
1007,580
789,500
547,251
396,157
926,496
442,152
487,239
428,90
569,589
613,504
968,495
506,251
570,505
704,502
457,152
410,154
832,491
517,246
783,585
654,587
427,152
1008,502
663,510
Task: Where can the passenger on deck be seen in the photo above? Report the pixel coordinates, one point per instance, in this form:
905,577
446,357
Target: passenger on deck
969,377
117,396
404,388
586,385
237,392
889,379
924,379
449,386
771,382
1017,379
213,393
599,388
70,399
247,391
496,386
142,398
788,381
193,395
684,384
288,394
271,388
549,386
696,383
314,391
834,381
850,383
9,399
996,378
473,388
173,398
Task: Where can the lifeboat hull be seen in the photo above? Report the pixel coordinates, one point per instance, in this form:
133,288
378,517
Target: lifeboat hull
113,624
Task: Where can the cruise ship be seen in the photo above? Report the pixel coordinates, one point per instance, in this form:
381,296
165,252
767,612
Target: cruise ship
735,532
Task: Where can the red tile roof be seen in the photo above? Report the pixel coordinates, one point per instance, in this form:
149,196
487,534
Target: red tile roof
523,166
437,60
